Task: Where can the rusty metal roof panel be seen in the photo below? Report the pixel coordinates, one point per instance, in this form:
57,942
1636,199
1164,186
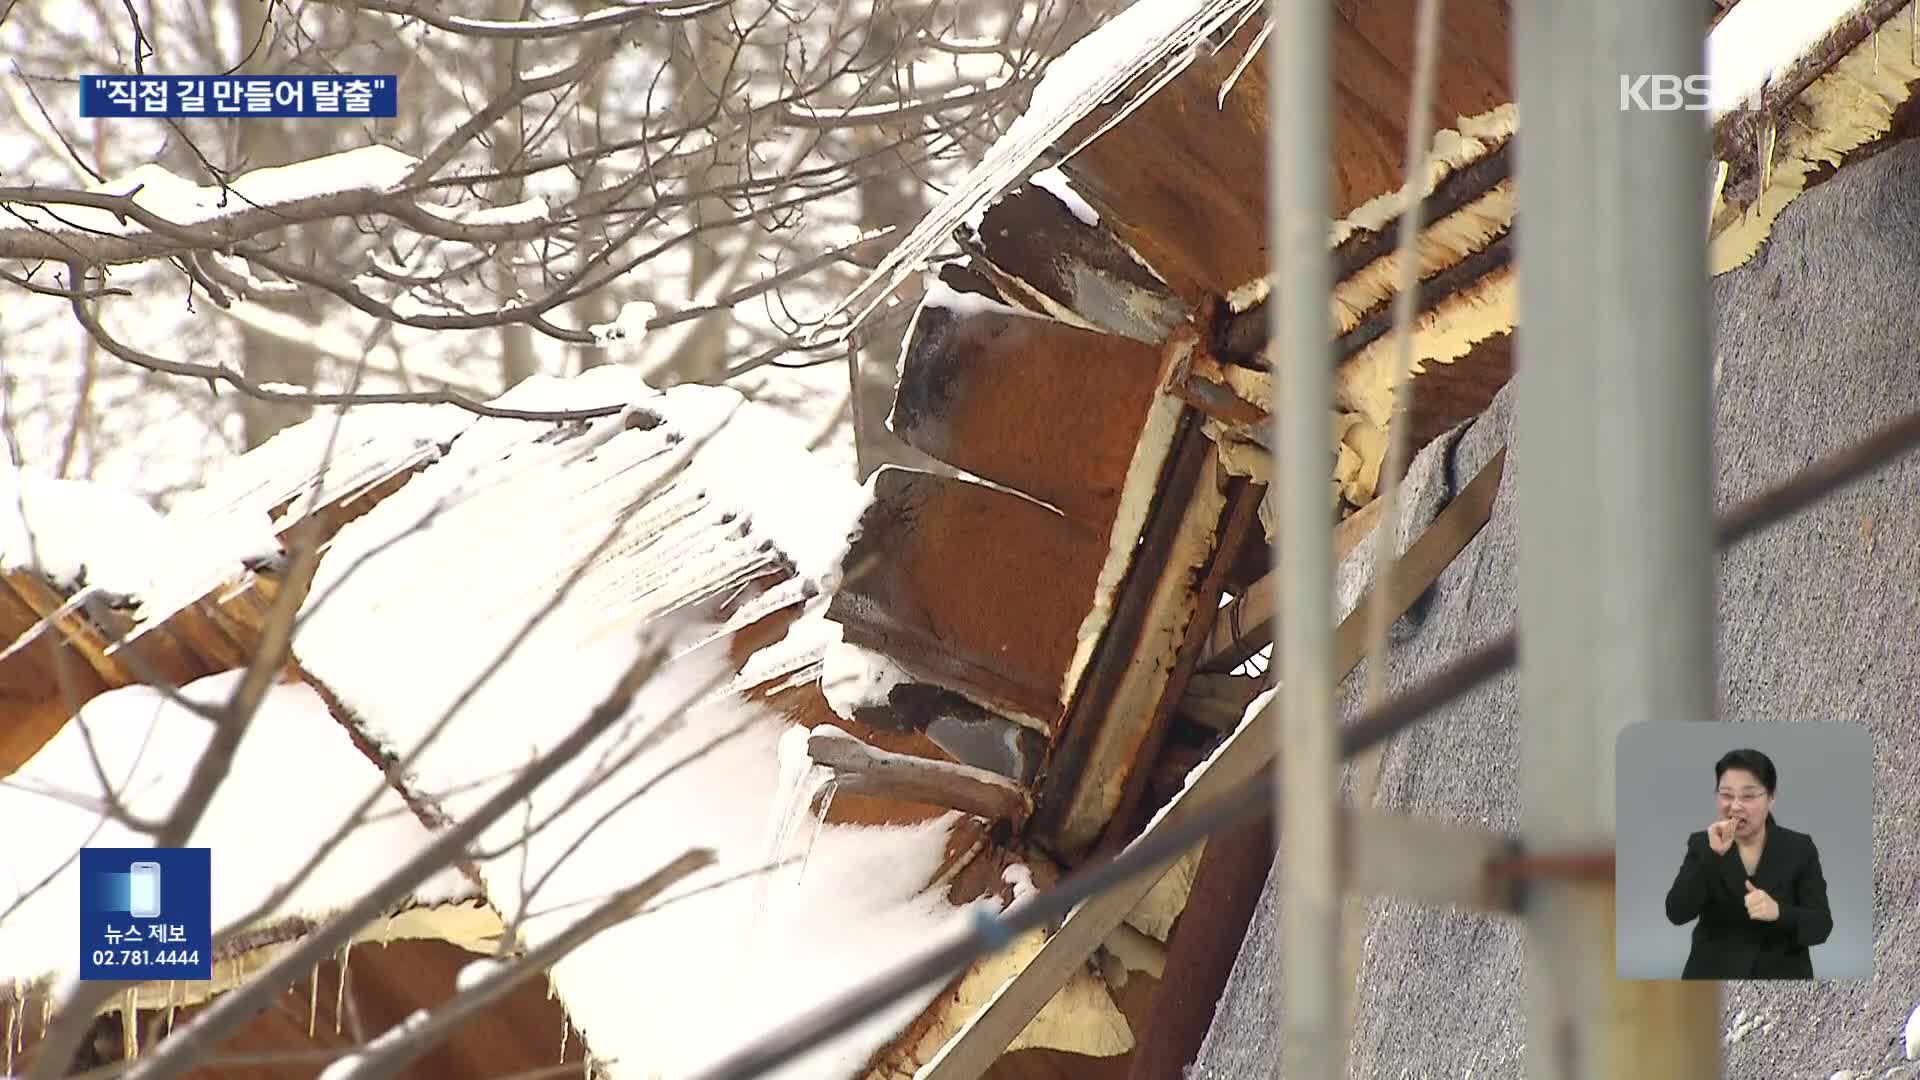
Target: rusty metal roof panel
970,588
1044,408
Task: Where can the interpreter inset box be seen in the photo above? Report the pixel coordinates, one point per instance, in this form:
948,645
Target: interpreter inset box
1743,851
146,914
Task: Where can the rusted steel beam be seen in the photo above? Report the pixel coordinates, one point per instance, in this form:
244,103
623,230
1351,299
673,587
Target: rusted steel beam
1577,866
1200,380
1201,952
1092,748
1239,520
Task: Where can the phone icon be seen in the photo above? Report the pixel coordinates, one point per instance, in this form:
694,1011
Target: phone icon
143,891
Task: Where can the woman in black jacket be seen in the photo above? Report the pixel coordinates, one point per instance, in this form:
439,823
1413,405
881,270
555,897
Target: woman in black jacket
1755,885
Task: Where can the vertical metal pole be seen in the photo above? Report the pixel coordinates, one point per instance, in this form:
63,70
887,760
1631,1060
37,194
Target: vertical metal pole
1299,213
1616,566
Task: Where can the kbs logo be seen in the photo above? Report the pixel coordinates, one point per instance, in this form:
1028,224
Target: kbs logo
1663,93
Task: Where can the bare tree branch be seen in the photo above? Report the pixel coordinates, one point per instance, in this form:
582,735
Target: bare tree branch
538,29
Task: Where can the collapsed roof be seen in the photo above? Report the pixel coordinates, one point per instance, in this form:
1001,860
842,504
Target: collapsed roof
452,542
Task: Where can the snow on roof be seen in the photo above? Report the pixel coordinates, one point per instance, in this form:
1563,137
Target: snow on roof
73,532
1760,40
692,499
332,457
115,544
93,541
677,503
676,988
295,761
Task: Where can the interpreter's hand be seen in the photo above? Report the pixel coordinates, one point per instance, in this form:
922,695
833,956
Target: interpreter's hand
1720,835
1760,906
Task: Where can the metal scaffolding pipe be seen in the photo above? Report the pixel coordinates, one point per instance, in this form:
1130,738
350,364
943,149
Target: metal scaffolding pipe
1615,496
1299,212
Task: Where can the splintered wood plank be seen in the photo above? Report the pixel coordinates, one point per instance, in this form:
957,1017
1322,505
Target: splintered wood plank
1183,179
970,588
1039,406
1121,703
1044,256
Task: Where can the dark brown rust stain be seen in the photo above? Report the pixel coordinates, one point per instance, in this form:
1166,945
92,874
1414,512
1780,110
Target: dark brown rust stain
1447,394
1030,236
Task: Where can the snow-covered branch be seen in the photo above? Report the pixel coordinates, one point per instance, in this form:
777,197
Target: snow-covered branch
601,19
152,213
223,373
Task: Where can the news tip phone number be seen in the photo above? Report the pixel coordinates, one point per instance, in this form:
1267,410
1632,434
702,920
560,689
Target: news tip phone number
144,957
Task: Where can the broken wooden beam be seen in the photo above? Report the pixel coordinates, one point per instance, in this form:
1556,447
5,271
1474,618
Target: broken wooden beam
1124,699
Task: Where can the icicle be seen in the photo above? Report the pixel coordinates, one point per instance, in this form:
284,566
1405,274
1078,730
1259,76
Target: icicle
340,991
313,998
13,1014
565,1030
173,997
819,826
1241,68
130,1025
550,990
1766,158
46,1012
